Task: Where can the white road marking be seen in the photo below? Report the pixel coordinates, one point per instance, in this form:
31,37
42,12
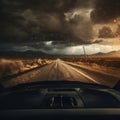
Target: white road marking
90,78
55,65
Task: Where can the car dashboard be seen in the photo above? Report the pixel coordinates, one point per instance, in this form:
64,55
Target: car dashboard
59,101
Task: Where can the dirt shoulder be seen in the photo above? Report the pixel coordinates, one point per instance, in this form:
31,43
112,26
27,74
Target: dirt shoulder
112,71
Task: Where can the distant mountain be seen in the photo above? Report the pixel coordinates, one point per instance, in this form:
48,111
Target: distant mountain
99,53
109,54
114,53
26,54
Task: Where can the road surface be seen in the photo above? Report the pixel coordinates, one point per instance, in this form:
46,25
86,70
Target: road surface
59,70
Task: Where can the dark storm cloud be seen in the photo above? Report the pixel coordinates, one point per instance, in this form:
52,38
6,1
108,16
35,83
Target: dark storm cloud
40,20
105,11
118,31
97,41
11,23
23,20
106,32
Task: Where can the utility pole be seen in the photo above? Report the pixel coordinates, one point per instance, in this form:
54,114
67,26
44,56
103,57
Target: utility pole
84,50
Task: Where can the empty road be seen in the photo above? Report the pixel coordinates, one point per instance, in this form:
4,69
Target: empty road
60,70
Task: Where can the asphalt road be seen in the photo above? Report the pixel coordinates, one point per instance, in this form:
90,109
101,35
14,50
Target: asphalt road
60,70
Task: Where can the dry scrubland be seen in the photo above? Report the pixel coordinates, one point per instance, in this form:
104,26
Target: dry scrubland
103,61
106,65
10,67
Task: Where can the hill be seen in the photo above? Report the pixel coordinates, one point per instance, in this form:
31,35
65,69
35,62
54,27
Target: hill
109,54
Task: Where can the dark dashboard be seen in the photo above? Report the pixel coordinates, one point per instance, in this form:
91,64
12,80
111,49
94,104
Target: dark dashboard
58,98
85,99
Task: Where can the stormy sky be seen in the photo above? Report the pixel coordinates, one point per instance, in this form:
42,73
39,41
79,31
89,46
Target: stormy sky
54,26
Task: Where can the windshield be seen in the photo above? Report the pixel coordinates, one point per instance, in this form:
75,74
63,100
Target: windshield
59,40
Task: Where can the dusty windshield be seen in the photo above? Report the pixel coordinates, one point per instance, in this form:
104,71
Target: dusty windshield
54,40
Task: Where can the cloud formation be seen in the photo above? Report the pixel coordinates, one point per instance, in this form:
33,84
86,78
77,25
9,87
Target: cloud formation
118,31
105,11
45,20
62,21
106,32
